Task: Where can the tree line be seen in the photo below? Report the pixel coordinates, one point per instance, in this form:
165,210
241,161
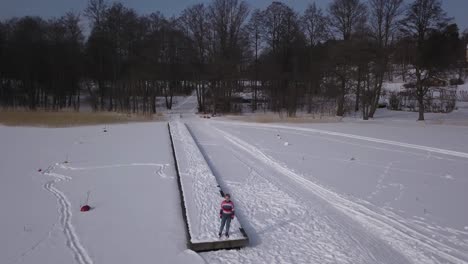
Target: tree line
288,61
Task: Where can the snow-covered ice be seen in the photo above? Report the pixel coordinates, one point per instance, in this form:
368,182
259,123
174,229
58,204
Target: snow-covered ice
130,173
375,176
390,190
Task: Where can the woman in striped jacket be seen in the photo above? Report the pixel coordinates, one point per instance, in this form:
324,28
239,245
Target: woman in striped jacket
226,214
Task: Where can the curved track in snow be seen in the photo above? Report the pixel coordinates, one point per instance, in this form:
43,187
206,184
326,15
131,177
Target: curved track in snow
65,210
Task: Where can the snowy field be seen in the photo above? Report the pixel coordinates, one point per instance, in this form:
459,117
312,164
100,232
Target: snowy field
136,216
313,195
391,190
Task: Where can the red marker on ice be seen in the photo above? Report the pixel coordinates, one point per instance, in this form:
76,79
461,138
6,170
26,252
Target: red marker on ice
86,207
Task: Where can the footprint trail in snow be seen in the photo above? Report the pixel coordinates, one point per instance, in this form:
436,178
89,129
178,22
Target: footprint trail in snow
66,210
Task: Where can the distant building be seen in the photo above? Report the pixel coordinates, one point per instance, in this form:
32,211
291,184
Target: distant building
440,98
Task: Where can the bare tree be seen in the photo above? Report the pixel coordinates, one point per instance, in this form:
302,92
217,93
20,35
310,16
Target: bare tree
41,60
128,59
74,62
281,33
254,28
422,18
194,22
173,55
4,100
95,11
464,51
384,18
227,18
280,26
315,25
346,16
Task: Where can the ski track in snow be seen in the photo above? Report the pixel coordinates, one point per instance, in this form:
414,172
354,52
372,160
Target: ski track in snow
65,211
347,142
285,215
380,185
160,171
395,230
347,160
369,139
63,166
179,106
286,227
36,245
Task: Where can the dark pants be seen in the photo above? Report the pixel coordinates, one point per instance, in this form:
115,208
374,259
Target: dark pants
225,220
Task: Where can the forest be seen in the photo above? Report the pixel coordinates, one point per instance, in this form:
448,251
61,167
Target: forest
286,60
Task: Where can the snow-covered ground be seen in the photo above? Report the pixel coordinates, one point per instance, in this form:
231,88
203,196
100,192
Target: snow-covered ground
393,87
395,197
390,190
136,216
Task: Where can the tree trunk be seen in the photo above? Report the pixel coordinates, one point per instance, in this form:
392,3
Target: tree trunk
309,98
420,94
254,102
374,100
341,99
78,100
102,93
421,107
358,94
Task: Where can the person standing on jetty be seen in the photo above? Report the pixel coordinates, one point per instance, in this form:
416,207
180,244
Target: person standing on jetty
226,214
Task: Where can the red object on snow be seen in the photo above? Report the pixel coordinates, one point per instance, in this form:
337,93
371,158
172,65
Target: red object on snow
85,208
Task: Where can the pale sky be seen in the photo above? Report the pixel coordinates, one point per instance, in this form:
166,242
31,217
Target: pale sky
458,9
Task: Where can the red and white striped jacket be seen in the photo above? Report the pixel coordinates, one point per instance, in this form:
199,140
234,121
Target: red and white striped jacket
227,208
